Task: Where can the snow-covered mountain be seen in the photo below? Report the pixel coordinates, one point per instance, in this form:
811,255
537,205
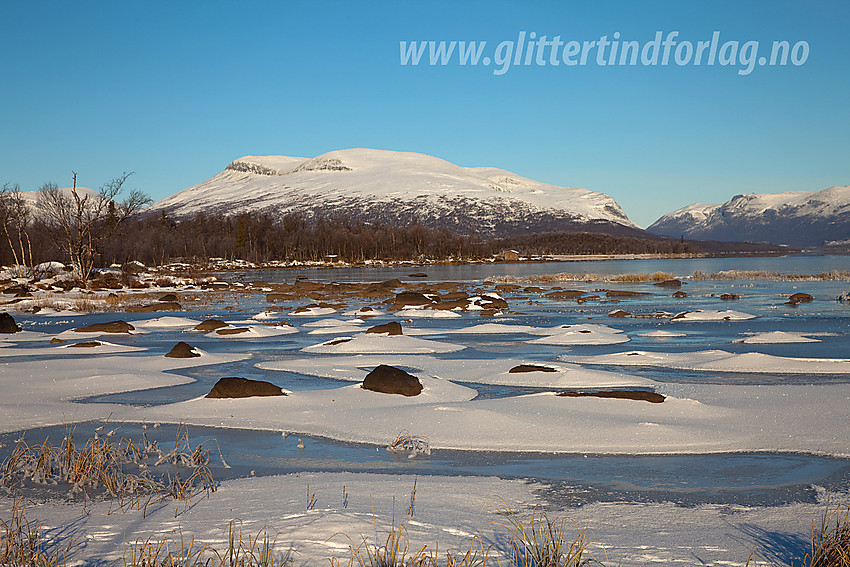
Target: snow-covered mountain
399,187
795,218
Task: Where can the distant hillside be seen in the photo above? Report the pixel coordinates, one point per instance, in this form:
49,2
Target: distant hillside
399,188
796,218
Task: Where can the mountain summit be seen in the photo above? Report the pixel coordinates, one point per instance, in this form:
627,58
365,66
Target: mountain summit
399,188
795,218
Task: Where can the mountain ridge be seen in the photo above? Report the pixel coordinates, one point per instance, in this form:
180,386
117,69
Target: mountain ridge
399,188
793,218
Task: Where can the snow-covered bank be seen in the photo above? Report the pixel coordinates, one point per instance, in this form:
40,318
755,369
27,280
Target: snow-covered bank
448,513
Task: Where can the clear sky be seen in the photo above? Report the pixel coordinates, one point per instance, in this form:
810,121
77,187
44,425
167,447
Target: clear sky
174,91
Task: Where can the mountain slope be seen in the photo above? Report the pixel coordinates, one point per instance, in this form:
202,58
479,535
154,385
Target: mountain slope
795,218
399,188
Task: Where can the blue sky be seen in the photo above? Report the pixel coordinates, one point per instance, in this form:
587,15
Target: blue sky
175,91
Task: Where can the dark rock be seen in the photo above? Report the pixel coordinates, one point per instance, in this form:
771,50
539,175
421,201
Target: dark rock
303,285
168,297
169,306
15,289
508,287
182,350
391,380
383,287
209,325
453,295
243,388
235,331
8,324
418,275
320,305
619,313
638,395
729,296
450,304
85,344
532,289
679,294
624,293
801,298
391,328
414,298
565,294
57,341
110,327
530,368
491,302
670,283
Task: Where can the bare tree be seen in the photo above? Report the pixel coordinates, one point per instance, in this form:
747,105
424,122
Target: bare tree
16,216
77,221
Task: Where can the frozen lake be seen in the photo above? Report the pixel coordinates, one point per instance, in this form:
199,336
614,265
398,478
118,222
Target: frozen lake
770,476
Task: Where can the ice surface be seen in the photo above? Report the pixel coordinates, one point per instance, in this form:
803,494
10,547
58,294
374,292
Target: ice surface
380,343
777,337
253,331
719,361
166,322
712,315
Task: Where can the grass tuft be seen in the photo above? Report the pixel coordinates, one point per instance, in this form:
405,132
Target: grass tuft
413,445
392,552
102,465
542,541
243,550
22,543
830,540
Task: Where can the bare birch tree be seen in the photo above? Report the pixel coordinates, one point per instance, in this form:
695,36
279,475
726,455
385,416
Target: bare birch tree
77,221
16,217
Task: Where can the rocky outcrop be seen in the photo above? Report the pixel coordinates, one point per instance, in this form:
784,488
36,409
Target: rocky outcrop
182,350
638,395
110,327
243,388
85,344
414,298
153,307
799,298
8,324
391,328
624,293
391,380
210,325
530,368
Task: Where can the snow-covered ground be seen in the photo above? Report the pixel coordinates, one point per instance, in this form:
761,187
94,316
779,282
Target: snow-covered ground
730,385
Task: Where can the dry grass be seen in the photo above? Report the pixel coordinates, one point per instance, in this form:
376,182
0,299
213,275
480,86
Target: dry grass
391,548
412,445
830,540
22,543
395,551
698,275
735,275
86,305
99,466
244,550
642,277
541,541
